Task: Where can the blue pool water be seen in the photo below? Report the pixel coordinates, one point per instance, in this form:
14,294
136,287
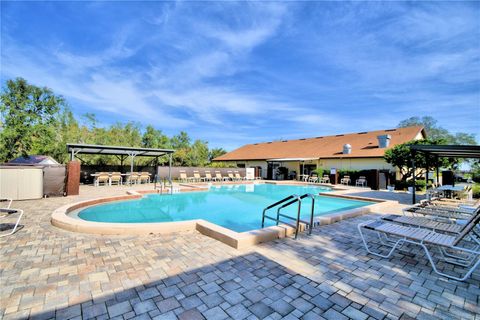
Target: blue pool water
236,207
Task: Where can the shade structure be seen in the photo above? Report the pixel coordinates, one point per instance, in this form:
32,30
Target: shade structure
74,149
442,151
448,151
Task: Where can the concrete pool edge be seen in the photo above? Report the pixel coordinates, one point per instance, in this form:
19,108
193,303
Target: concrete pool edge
238,240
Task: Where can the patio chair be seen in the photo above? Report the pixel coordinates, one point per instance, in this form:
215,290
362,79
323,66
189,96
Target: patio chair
183,176
436,212
462,208
5,212
133,178
116,178
208,177
435,225
313,179
460,251
196,176
325,179
144,177
345,180
231,177
101,177
238,177
454,202
361,182
219,177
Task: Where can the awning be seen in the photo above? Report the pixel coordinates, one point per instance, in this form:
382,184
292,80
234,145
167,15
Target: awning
75,149
116,150
448,151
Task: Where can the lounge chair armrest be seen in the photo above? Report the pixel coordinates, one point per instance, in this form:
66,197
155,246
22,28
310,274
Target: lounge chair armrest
9,211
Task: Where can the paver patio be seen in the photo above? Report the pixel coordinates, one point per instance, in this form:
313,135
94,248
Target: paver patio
47,272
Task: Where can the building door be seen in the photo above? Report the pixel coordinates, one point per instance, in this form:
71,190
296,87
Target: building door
272,170
308,168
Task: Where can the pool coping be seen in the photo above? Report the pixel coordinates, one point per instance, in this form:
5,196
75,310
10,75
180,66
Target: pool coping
238,240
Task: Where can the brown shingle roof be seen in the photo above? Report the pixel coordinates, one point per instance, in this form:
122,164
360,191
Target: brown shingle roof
364,145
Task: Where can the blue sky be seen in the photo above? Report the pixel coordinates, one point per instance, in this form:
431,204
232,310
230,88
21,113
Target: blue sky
235,73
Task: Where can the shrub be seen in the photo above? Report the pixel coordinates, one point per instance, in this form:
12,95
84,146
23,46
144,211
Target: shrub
320,171
419,184
476,190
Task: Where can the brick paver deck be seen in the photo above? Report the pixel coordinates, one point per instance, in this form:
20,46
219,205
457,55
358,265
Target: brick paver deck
50,273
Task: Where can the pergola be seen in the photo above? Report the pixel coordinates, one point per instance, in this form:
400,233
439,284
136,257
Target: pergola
121,152
441,151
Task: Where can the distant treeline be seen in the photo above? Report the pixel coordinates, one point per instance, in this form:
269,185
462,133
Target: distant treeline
35,121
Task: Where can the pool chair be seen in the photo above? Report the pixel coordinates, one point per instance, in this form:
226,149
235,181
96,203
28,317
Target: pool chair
460,249
196,176
454,202
448,206
7,212
231,177
361,182
133,178
325,179
435,225
436,212
116,178
183,176
218,176
101,177
345,180
238,177
144,177
313,179
208,177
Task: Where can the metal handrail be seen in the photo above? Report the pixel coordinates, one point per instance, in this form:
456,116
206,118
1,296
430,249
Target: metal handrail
275,204
170,184
310,224
162,183
296,198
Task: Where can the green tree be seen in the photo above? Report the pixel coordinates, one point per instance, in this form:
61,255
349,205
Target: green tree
29,115
400,156
198,154
436,132
180,141
181,144
215,153
153,138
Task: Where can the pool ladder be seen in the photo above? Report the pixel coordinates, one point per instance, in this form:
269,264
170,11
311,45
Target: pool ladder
285,202
162,184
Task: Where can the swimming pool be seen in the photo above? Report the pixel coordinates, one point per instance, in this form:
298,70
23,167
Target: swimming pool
236,207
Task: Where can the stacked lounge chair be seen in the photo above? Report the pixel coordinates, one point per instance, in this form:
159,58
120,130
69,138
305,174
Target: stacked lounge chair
457,239
5,212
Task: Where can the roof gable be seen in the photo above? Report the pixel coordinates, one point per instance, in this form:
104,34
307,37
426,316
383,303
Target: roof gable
364,144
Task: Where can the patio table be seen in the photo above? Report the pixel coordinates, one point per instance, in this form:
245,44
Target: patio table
450,190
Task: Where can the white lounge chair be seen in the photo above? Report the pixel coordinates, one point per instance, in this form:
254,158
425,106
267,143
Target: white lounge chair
208,177
183,176
219,177
196,176
238,177
6,211
461,250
